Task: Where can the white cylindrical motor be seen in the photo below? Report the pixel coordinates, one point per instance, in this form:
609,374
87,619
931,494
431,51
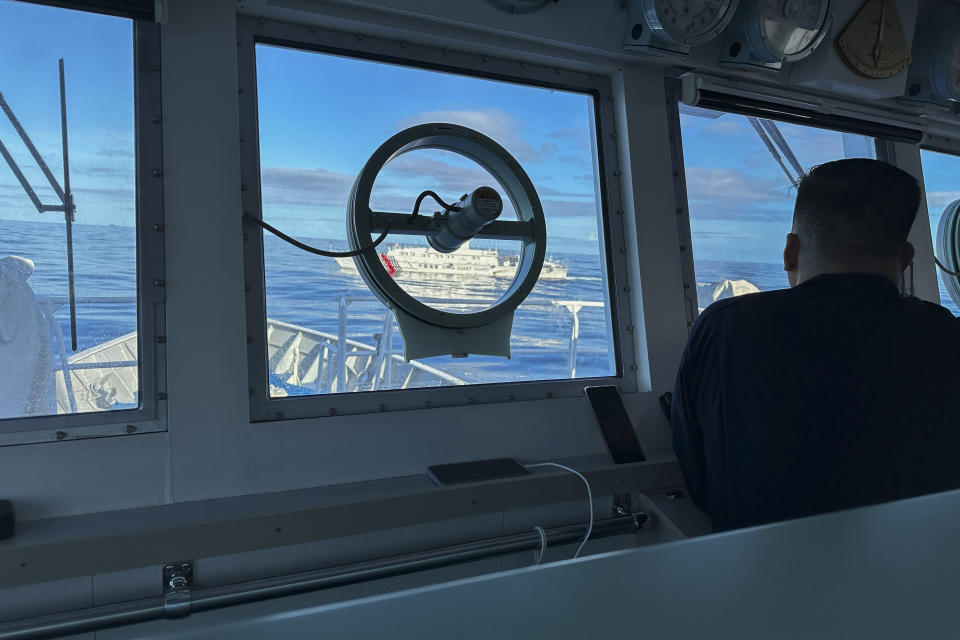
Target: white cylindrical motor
473,212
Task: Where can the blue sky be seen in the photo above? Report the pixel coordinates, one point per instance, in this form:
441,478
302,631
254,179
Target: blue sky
322,116
98,56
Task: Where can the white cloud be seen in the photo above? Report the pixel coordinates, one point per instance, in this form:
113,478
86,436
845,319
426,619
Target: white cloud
937,200
712,185
305,186
494,123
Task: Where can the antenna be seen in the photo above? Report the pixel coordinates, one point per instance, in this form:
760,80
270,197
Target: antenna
66,196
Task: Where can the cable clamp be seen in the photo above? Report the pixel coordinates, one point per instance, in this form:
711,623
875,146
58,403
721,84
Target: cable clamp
177,578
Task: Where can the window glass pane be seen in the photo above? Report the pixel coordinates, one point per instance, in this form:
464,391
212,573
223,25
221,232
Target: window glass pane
740,175
941,178
313,143
35,336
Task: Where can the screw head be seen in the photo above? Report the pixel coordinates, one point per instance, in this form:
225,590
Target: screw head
157,173
130,428
61,435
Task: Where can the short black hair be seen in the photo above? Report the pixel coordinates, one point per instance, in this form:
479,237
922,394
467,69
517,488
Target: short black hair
856,207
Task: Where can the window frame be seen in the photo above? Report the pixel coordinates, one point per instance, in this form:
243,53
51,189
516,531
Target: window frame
150,416
883,147
252,31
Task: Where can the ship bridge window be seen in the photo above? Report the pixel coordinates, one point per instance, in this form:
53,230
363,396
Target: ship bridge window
316,329
941,173
73,319
741,174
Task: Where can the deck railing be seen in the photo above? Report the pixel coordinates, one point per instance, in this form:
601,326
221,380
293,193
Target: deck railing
339,346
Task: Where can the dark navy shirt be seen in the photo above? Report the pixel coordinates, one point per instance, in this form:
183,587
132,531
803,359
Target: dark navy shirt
833,394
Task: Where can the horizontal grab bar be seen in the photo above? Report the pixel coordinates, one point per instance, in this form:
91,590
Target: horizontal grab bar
144,610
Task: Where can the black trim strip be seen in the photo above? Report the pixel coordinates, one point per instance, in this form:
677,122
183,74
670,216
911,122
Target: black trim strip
795,115
134,9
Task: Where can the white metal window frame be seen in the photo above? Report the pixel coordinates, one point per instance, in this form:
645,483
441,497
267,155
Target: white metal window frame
150,416
253,31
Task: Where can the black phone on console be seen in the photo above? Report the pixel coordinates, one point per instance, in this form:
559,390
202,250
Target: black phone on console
614,424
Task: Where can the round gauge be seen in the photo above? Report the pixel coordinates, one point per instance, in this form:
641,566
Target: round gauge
688,22
786,30
948,248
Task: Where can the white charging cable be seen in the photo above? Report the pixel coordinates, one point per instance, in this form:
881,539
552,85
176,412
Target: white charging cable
589,504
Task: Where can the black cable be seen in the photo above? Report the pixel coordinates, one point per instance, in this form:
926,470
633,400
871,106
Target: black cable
944,269
416,205
320,252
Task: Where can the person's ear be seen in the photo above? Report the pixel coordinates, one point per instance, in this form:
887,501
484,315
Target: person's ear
791,252
791,258
906,255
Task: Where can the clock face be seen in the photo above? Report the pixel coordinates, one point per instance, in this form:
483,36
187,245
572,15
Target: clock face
791,26
684,20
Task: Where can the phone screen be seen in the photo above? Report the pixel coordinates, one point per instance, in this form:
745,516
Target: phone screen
444,474
615,424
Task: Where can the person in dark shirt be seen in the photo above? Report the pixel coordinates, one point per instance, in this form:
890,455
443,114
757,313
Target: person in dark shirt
834,393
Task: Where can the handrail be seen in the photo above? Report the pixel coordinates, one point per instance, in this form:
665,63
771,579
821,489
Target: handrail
144,610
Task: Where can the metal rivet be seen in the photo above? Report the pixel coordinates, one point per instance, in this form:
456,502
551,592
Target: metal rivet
471,401
159,282
359,37
629,327
633,367
157,173
160,339
626,287
510,398
332,411
154,67
130,428
616,173
162,395
155,119
61,435
549,394
623,249
158,227
619,212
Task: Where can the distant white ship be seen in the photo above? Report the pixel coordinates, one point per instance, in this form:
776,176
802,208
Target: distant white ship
414,262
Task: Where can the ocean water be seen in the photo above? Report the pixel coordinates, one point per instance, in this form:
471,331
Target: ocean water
767,276
303,289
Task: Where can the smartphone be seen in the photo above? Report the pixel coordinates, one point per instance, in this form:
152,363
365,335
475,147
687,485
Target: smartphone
615,424
476,471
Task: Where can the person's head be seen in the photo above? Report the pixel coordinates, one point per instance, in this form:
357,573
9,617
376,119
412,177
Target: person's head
852,216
